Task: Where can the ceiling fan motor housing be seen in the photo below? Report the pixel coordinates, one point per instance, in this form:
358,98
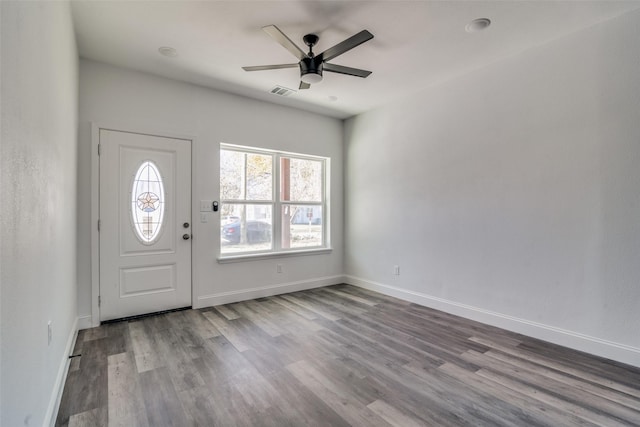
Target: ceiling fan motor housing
311,70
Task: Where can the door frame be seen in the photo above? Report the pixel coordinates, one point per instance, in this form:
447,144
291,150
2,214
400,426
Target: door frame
95,210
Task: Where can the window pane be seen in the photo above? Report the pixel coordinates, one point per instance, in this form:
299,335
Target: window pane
259,177
300,180
245,228
301,226
231,175
147,202
245,176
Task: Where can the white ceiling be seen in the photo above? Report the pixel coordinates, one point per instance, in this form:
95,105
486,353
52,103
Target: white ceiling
416,44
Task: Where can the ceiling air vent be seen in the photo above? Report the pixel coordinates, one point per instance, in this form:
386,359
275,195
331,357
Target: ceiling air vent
282,91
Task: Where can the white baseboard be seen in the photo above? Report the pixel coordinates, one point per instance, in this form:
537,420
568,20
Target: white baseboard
599,347
56,396
266,291
85,322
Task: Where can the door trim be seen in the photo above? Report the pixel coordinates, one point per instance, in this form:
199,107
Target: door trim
95,206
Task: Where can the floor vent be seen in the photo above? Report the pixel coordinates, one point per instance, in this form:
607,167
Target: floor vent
282,91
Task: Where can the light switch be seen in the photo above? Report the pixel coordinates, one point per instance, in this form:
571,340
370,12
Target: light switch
203,217
205,205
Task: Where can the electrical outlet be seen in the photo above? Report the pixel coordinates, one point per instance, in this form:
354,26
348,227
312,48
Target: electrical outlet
396,270
279,268
49,332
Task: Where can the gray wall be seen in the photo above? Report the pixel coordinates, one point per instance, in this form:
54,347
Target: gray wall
129,100
511,194
38,227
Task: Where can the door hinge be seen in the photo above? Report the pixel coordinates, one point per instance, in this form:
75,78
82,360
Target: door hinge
99,145
99,300
99,224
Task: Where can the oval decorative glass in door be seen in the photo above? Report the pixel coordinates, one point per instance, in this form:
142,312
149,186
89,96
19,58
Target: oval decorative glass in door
147,202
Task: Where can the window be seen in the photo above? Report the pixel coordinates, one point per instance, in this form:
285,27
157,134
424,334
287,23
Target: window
271,202
147,202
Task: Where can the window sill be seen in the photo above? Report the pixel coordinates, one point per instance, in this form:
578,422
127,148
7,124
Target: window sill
255,257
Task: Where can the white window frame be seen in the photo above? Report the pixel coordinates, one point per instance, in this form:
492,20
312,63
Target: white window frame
277,204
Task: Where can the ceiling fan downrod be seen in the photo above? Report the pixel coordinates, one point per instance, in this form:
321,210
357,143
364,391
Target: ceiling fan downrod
311,67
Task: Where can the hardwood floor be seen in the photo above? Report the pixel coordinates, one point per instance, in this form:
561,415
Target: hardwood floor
336,356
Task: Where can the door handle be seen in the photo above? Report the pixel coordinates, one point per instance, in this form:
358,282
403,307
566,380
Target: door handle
186,236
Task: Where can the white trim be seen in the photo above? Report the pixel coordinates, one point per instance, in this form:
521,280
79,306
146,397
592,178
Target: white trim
195,223
593,345
263,255
266,291
61,378
95,215
85,322
95,206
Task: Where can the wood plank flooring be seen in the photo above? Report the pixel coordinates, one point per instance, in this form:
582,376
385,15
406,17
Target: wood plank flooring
336,356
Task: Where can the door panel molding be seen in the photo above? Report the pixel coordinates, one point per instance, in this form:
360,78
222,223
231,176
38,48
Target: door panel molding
130,274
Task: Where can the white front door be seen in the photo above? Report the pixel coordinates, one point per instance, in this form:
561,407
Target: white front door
145,224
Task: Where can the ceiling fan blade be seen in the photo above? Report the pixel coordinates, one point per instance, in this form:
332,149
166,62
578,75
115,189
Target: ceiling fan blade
304,85
269,67
346,70
346,45
285,41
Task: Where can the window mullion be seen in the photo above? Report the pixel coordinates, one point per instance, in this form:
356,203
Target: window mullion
244,176
277,205
325,204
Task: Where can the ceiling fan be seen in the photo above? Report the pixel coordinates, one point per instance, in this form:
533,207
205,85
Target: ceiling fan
311,65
